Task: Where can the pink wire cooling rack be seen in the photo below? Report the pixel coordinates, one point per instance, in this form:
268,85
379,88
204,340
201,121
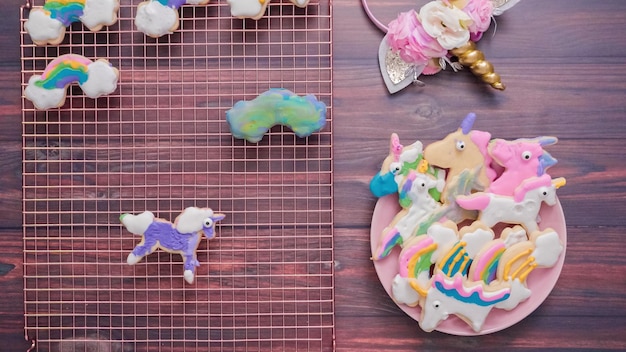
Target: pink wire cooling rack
160,142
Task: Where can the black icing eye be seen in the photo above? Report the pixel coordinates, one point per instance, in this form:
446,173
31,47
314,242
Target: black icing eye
208,222
395,168
545,193
526,155
460,145
423,184
436,304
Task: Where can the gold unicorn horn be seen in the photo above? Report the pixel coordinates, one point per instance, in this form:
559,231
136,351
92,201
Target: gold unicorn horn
470,57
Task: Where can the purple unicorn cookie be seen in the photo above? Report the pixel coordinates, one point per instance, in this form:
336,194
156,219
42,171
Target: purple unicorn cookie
182,237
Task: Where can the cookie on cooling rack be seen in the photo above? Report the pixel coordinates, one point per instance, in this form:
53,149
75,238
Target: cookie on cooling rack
255,9
250,120
46,25
181,237
48,90
156,18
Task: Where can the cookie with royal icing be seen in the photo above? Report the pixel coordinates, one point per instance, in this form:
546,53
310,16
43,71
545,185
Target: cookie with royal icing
48,90
250,120
255,9
156,18
47,24
181,237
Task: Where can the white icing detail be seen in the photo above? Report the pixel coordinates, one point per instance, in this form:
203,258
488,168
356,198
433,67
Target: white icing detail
442,236
412,152
246,8
548,248
395,167
132,259
515,237
403,292
42,28
98,13
43,98
101,79
154,19
519,293
192,219
197,2
188,274
476,241
137,224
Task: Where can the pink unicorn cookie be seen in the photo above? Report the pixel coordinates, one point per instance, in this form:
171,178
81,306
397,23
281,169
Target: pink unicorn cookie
522,159
181,237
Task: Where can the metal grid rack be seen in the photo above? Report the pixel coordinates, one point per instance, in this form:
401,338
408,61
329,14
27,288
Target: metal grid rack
160,143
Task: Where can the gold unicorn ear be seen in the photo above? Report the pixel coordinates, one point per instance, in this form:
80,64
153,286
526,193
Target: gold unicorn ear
470,57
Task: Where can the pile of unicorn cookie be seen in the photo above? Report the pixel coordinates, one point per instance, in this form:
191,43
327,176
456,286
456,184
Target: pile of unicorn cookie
468,232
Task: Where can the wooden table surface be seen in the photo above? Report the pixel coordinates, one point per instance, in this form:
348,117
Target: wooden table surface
564,64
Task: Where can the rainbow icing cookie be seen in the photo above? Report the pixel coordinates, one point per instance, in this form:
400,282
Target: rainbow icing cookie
48,90
250,120
46,25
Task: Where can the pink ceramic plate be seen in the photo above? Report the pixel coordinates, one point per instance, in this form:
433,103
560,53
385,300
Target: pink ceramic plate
540,281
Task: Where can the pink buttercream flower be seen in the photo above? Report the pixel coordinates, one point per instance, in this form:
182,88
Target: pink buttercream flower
480,11
407,37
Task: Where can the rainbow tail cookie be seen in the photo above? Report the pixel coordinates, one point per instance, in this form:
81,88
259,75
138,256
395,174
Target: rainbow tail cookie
48,90
46,25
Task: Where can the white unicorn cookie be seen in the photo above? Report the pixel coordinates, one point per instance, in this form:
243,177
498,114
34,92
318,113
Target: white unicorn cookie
522,208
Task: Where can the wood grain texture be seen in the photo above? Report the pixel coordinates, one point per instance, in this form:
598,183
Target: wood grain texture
564,64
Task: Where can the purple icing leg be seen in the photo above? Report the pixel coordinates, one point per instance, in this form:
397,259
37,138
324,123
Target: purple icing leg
148,246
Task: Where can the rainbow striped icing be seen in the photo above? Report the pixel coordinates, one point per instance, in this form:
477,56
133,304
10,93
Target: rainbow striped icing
417,258
48,90
64,70
474,295
250,120
456,261
175,4
65,11
46,25
486,266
